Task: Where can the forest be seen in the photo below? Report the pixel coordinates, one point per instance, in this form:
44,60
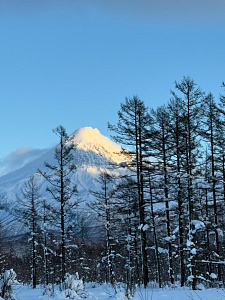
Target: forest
159,220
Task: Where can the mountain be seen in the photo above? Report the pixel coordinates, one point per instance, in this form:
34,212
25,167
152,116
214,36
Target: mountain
92,148
93,153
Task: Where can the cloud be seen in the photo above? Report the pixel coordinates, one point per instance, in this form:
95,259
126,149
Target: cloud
19,158
173,10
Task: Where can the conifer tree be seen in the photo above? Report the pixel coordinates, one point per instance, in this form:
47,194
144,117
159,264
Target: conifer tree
178,161
61,188
211,134
132,130
191,96
28,207
162,148
45,218
126,209
104,206
221,140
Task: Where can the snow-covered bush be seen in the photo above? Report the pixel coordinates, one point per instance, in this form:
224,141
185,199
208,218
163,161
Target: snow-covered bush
7,280
48,290
121,296
74,287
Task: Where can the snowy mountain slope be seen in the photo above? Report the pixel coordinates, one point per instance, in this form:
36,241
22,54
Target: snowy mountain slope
12,178
93,153
89,141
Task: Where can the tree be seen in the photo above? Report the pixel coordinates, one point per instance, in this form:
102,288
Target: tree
103,206
127,212
28,208
61,188
132,130
190,97
154,225
45,218
212,134
162,148
177,163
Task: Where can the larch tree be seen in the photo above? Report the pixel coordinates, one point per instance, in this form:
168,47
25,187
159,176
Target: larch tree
153,214
132,130
211,133
126,210
61,188
191,97
162,149
221,141
178,161
28,207
45,219
103,205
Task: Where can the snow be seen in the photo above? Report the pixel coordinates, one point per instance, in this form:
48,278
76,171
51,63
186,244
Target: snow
160,249
190,243
105,292
197,224
213,275
170,238
94,153
140,227
145,227
193,251
91,140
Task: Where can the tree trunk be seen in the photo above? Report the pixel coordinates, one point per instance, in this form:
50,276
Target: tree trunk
155,235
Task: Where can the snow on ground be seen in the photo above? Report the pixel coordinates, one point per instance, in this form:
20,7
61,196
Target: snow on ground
105,292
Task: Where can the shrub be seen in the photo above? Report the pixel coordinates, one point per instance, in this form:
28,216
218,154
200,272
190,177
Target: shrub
7,280
74,287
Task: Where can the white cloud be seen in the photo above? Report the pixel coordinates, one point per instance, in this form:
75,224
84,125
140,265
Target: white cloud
19,158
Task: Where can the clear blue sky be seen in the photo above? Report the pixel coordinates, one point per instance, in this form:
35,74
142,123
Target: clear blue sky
72,62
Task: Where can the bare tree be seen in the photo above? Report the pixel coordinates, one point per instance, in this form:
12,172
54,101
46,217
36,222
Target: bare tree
132,130
61,188
103,206
29,202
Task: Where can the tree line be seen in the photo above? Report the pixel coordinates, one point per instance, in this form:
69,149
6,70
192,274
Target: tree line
178,166
160,214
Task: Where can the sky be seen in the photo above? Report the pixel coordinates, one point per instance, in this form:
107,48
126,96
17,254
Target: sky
72,62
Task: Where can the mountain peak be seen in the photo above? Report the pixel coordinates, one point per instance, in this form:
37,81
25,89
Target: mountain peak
91,141
86,134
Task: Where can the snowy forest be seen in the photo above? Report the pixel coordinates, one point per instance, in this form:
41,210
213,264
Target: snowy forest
157,218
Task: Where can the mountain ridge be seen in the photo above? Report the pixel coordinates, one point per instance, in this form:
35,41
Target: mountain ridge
85,139
93,153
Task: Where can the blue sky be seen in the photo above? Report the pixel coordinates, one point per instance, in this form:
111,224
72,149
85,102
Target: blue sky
72,62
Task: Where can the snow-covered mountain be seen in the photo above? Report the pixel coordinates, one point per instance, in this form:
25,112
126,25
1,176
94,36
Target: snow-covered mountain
94,152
